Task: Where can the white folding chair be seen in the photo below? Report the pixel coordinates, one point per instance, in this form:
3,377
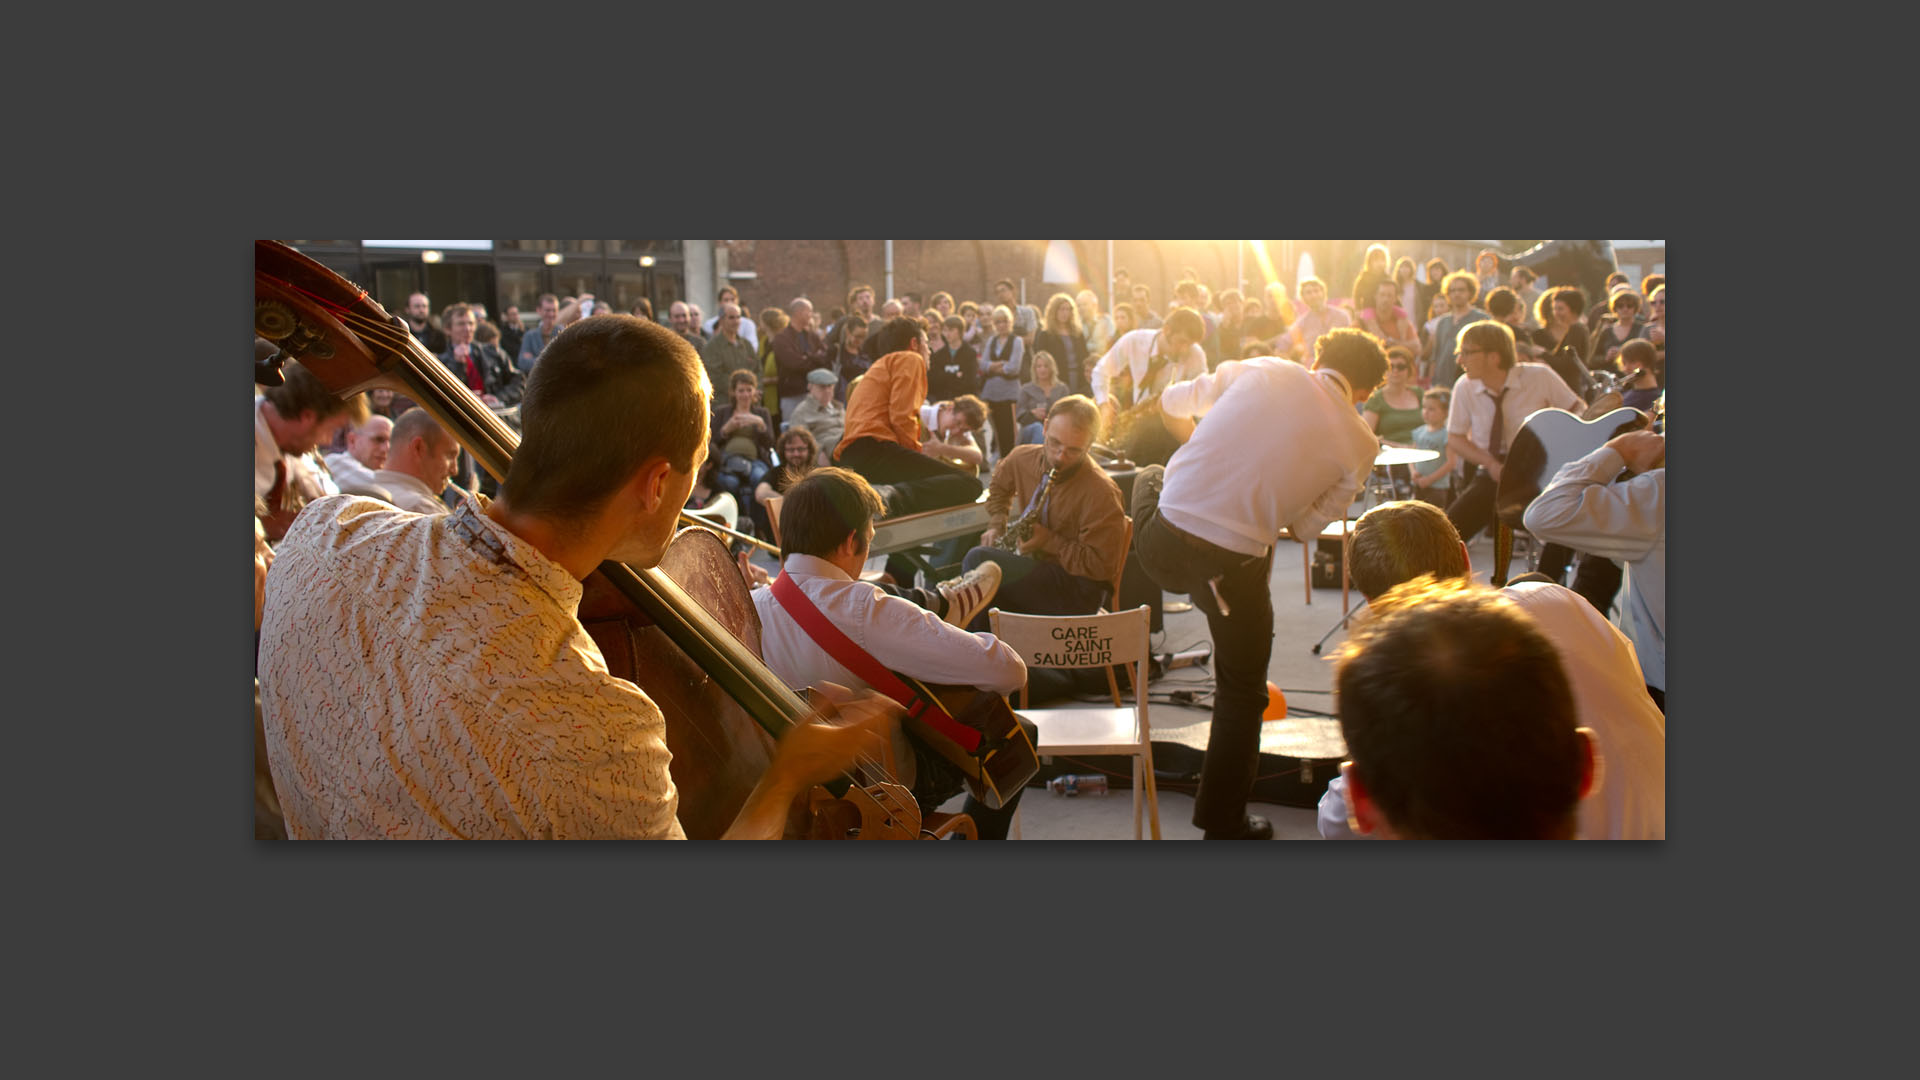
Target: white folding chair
1081,641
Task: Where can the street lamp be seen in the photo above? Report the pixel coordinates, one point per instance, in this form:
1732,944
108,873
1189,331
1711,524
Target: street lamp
646,260
553,258
431,256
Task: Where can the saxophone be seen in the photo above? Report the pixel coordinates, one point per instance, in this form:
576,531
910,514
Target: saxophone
1021,528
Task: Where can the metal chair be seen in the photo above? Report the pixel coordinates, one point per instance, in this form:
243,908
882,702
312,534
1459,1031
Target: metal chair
1079,641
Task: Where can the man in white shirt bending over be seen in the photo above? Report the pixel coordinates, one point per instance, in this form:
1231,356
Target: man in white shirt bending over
1279,447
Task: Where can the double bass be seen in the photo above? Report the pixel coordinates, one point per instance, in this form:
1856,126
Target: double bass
686,632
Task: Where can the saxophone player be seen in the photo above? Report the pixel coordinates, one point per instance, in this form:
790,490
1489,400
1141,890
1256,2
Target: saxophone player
1074,529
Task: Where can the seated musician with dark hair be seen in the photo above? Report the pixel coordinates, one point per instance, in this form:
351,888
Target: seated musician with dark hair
881,440
429,677
826,525
1057,526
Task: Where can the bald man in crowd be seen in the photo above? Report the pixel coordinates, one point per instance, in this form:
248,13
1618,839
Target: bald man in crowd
798,349
367,448
420,463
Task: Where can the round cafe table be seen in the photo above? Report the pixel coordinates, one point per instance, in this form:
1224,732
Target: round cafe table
1380,482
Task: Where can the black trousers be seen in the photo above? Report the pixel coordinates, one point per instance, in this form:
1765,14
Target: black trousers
920,483
1034,586
1006,434
1242,646
1472,510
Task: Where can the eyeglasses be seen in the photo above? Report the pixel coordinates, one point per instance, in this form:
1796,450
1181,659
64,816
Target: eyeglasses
1397,366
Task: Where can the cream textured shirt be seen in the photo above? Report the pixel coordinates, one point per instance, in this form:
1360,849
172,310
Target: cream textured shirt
426,677
410,492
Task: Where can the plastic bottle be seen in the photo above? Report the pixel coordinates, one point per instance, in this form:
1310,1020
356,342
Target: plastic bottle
1095,784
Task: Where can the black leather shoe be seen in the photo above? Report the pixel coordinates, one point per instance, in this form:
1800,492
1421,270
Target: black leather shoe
1254,828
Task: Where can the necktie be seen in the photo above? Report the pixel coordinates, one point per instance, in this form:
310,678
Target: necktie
473,372
1497,442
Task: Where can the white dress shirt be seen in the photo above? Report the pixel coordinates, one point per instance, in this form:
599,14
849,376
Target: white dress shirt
351,476
1585,509
1530,388
1279,446
1630,799
1131,354
901,635
410,492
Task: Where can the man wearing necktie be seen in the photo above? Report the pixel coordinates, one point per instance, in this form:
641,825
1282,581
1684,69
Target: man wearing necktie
1491,398
486,371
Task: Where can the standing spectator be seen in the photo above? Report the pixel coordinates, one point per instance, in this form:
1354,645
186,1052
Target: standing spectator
1407,290
682,315
1521,282
1562,333
772,321
847,358
1063,336
1143,305
712,326
979,324
1432,290
797,350
954,369
1001,363
871,349
1230,336
1460,289
1385,319
536,339
420,323
729,350
1317,320
1615,282
512,332
859,309
1486,267
1126,319
1372,275
1622,328
1099,327
1657,325
942,303
1122,287
483,368
1278,306
1505,307
643,309
1005,296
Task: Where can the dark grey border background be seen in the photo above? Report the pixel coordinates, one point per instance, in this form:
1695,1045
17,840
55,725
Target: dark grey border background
329,948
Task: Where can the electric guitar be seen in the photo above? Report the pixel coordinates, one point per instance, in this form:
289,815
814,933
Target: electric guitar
1547,441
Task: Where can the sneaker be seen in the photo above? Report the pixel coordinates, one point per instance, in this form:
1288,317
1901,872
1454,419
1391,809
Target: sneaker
969,594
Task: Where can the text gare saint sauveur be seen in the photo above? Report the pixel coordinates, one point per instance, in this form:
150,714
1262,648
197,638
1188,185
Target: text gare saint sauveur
1078,648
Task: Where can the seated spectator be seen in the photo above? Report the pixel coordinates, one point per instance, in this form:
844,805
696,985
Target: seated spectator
742,439
1642,389
799,455
1396,542
1621,325
419,464
953,432
1459,719
818,412
367,449
882,438
1038,396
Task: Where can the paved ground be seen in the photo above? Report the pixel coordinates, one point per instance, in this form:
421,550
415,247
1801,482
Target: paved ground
1303,675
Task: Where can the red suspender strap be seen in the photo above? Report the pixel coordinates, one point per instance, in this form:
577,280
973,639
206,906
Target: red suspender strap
857,660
